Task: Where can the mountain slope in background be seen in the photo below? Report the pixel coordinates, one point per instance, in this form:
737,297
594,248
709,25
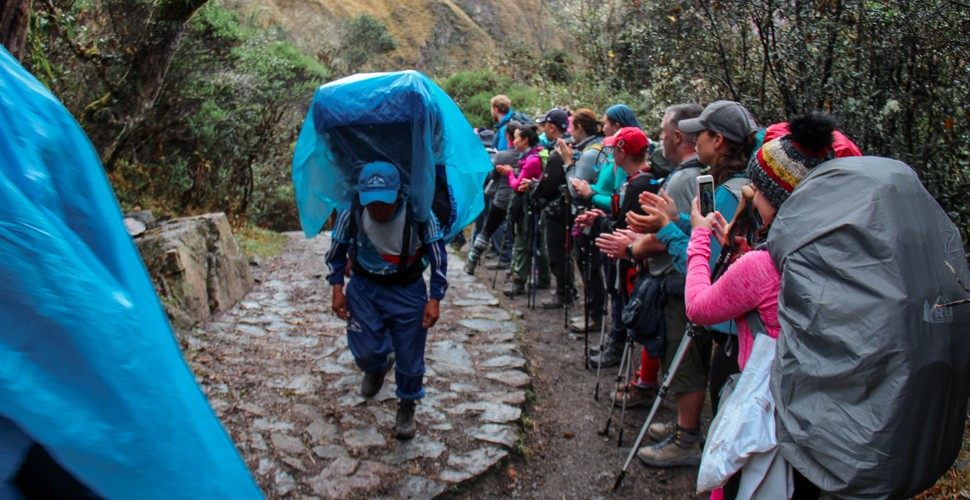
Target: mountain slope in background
437,37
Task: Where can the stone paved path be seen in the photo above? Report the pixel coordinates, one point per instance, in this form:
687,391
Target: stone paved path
280,376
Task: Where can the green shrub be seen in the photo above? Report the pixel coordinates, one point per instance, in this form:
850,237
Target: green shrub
473,92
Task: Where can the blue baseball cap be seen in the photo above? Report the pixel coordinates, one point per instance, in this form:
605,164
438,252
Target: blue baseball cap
378,181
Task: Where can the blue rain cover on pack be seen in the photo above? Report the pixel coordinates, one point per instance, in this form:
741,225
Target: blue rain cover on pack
89,367
401,118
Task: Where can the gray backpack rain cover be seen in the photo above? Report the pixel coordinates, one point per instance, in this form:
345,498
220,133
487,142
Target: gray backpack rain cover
870,380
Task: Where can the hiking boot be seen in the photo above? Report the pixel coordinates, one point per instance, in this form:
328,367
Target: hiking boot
635,395
610,357
516,289
470,267
556,302
372,382
658,431
580,325
680,449
500,265
404,426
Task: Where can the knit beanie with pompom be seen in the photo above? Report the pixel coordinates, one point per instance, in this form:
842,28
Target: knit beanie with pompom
782,163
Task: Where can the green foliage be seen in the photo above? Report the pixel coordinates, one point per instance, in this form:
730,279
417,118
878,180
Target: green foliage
895,94
555,66
361,39
220,135
473,92
238,90
255,240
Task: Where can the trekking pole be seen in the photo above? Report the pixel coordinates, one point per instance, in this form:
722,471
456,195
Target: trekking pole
661,394
584,251
599,364
613,298
531,302
626,388
624,360
568,260
505,240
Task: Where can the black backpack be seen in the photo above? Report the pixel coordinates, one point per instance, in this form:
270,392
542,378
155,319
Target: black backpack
643,314
522,118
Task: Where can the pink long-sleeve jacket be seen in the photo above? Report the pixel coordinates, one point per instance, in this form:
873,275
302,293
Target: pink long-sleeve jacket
752,282
530,167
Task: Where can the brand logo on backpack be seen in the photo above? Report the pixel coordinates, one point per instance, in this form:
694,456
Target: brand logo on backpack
937,315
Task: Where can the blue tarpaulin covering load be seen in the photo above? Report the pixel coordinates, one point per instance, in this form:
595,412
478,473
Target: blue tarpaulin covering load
401,118
89,367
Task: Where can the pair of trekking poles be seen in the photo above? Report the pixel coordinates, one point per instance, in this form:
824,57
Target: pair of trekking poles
531,284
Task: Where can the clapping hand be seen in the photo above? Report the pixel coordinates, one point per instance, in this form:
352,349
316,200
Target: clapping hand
581,187
657,210
614,244
589,217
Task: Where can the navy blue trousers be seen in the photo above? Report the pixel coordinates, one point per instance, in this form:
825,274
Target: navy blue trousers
386,318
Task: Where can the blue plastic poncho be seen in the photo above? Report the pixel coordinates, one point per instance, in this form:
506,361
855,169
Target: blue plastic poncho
89,367
402,118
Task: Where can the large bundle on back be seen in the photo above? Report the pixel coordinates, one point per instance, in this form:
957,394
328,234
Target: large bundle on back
871,376
401,118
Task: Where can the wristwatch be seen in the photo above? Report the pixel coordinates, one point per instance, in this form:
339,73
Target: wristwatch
629,251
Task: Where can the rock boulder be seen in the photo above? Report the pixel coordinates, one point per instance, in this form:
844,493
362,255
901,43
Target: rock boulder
196,267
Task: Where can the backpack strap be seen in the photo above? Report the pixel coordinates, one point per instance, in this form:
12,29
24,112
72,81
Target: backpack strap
755,324
402,263
734,185
355,224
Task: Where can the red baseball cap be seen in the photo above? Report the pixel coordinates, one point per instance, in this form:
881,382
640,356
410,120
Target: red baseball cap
631,140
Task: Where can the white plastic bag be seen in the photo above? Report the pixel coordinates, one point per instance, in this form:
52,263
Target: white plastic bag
745,422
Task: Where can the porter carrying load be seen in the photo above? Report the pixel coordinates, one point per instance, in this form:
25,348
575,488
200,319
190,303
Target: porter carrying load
400,118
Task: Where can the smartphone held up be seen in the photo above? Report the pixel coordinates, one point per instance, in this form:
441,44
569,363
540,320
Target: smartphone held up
705,192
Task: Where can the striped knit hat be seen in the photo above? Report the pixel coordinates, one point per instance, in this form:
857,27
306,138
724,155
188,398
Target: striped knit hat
782,163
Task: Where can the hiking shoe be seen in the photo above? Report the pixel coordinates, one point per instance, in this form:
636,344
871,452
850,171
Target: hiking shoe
579,326
635,395
372,382
680,449
470,267
556,302
516,289
605,359
658,431
500,265
404,426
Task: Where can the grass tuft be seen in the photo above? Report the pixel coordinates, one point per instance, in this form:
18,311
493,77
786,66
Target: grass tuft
258,241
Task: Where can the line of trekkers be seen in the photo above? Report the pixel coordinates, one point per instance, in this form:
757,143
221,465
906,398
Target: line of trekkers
866,331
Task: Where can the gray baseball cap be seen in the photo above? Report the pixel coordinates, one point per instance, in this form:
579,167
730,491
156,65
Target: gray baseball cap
727,118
